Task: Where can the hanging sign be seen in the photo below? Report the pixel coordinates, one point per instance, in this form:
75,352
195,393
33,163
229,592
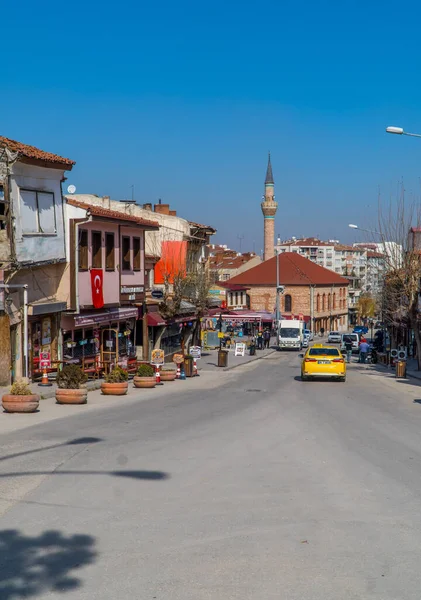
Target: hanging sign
240,349
96,286
196,352
157,357
157,294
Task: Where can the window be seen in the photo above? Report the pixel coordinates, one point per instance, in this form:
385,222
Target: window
328,301
334,300
2,209
96,250
83,250
318,302
324,302
109,252
136,254
288,303
126,263
38,212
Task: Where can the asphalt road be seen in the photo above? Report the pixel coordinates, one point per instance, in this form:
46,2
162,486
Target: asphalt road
265,487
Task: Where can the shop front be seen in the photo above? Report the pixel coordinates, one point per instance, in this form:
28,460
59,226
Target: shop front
44,337
99,341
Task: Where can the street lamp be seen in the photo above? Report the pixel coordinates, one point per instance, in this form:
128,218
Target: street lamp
352,226
400,131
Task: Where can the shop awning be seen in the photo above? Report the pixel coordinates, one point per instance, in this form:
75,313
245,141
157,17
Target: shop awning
46,308
107,316
155,319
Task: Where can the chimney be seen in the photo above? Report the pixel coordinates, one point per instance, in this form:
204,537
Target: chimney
162,209
147,206
173,213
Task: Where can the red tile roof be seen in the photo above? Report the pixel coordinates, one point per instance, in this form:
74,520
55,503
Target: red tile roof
199,226
293,270
32,152
372,254
306,242
98,211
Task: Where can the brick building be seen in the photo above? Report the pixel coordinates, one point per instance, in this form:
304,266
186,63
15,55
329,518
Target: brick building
320,295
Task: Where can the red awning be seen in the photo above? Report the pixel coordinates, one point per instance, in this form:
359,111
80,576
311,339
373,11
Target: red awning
155,319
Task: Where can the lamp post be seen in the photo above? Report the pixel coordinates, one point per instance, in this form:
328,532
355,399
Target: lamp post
279,290
401,131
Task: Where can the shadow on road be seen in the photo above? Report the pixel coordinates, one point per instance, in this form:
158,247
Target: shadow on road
147,475
75,442
44,564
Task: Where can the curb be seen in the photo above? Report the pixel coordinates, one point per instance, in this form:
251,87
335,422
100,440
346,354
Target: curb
249,361
95,385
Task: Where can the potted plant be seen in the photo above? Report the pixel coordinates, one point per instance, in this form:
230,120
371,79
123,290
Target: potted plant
21,399
115,383
168,373
70,385
145,377
188,365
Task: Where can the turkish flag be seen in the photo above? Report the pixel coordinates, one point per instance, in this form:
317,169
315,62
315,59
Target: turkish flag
96,285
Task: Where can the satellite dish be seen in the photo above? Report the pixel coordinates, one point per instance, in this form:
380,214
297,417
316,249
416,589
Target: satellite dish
71,189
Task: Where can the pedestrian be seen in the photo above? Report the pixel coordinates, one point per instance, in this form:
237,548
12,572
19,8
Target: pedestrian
348,348
260,340
364,348
322,330
266,338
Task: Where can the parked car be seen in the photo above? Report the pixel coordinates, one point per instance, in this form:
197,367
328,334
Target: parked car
360,329
309,334
306,342
334,337
355,339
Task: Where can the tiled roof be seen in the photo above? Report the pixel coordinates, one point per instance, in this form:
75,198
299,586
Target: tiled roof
32,152
372,254
345,248
98,211
306,242
293,270
199,226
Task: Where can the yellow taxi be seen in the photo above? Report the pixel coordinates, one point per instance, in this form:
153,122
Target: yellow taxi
323,361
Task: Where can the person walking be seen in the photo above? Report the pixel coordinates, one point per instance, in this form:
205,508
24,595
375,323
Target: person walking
322,330
364,348
260,340
266,338
348,348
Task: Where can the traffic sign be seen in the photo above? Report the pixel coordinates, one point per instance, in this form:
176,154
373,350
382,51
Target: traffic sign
196,352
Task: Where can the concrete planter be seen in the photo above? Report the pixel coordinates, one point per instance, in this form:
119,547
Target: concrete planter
75,396
114,389
20,404
144,382
168,375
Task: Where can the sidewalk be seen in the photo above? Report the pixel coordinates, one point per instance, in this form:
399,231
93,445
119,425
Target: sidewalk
209,360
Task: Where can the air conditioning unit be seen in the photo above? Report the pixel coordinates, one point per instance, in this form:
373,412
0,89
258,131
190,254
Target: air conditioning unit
402,354
394,353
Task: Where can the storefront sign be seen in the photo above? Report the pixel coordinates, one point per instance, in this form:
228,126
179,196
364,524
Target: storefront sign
157,294
131,293
44,360
196,352
240,349
157,357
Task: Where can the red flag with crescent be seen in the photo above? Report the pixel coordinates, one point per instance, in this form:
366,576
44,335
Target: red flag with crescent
96,285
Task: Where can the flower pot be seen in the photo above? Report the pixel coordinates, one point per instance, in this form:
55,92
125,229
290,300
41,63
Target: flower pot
20,404
75,396
188,367
168,375
144,382
114,389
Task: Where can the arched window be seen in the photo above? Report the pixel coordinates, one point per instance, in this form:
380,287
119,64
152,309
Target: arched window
318,302
328,301
288,303
334,300
340,292
324,302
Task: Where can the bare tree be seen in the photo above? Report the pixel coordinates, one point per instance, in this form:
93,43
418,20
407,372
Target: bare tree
401,236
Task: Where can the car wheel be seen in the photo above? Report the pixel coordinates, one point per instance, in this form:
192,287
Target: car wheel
304,378
343,379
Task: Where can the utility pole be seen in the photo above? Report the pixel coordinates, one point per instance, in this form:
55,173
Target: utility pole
240,237
279,290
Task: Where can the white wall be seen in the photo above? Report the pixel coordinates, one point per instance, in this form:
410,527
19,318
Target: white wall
37,246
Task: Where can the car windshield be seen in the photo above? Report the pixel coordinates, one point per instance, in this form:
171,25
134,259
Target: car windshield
324,352
351,337
334,333
289,332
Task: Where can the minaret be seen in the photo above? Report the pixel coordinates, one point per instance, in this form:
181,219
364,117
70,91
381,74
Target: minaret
269,207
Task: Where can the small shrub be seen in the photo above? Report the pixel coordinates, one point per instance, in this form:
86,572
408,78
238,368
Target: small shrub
71,377
117,375
21,388
168,368
145,371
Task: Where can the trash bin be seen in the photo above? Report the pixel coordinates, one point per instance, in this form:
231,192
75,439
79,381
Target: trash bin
188,366
400,369
222,358
252,349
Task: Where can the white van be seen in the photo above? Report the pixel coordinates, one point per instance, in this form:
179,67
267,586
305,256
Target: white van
355,338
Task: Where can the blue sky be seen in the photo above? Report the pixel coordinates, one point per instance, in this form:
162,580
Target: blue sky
184,100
